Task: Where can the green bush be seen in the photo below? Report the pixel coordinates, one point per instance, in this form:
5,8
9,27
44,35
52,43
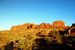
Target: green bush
53,37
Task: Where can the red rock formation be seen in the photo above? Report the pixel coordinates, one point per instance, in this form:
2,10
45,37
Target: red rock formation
24,26
45,26
59,24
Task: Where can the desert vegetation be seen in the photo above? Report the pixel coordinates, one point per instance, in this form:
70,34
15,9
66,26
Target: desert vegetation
37,37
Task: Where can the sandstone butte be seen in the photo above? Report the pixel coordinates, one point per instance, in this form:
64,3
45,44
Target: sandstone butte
56,25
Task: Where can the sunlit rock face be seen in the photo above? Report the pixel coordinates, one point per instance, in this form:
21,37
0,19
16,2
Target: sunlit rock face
45,26
32,26
24,26
56,25
59,24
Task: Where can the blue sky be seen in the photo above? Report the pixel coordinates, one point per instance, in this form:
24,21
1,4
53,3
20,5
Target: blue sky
14,12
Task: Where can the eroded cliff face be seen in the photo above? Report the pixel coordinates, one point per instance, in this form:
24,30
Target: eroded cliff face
24,26
56,25
59,25
45,26
41,29
31,26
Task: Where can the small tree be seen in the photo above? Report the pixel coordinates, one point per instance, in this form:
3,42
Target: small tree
54,37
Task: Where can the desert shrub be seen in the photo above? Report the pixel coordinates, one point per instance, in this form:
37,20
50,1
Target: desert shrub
25,40
53,37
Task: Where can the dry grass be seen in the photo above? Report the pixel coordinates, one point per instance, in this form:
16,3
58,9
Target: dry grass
25,37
